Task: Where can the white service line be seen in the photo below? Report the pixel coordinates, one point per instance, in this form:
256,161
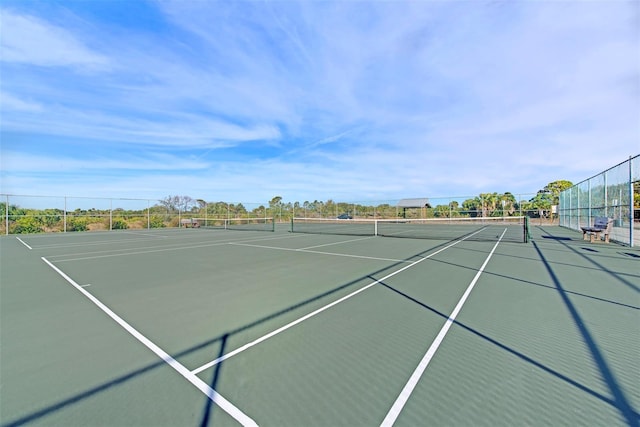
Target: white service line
129,251
142,233
218,399
99,242
320,310
21,241
318,252
398,405
338,243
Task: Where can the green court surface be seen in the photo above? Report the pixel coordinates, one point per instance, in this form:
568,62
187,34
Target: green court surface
193,327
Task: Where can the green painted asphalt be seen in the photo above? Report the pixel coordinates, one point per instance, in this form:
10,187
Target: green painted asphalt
548,336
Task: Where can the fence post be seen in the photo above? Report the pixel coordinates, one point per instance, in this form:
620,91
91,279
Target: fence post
590,220
64,215
631,202
606,197
6,216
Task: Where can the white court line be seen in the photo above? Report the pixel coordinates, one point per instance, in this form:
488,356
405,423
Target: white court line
338,243
318,252
218,399
127,251
149,238
320,310
96,243
142,233
398,405
21,241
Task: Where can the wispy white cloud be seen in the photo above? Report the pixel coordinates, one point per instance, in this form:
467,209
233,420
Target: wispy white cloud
11,103
39,163
30,40
352,99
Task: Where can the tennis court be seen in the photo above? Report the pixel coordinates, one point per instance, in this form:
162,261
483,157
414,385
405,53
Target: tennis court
199,326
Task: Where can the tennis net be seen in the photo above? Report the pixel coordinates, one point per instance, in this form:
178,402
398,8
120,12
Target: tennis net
250,224
512,229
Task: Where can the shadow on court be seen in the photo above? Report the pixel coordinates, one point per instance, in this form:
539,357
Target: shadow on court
599,265
617,397
208,407
621,402
206,415
514,352
522,281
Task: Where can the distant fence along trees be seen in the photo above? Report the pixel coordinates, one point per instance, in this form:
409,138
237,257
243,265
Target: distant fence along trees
169,211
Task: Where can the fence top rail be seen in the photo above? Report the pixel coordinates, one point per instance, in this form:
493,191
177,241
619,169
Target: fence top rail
74,197
631,158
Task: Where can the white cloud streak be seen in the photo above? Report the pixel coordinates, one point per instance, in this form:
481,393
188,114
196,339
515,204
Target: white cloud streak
357,98
30,40
26,163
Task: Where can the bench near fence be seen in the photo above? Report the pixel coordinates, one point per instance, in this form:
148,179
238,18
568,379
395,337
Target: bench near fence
189,222
601,225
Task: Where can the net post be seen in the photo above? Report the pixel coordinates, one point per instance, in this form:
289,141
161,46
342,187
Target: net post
375,227
291,230
527,236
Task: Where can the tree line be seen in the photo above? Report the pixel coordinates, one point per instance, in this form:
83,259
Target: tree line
168,211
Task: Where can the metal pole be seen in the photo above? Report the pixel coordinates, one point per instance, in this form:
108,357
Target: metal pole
520,205
606,198
589,189
571,209
148,216
6,216
65,214
578,209
631,203
110,214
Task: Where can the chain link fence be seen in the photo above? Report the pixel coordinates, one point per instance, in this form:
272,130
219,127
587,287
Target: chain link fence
42,214
614,193
485,205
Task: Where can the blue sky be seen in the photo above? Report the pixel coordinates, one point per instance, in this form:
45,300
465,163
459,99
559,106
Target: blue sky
350,100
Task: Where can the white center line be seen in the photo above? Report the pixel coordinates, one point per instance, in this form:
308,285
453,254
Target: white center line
218,399
320,310
395,410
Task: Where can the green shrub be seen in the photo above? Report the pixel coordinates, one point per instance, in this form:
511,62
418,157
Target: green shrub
77,224
26,225
50,218
156,221
119,224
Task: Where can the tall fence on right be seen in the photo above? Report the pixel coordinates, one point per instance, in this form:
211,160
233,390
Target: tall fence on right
614,193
